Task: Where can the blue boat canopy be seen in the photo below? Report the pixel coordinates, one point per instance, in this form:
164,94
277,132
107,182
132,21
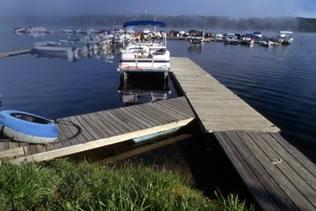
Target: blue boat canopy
144,23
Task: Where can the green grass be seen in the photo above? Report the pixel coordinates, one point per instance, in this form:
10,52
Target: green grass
63,185
232,202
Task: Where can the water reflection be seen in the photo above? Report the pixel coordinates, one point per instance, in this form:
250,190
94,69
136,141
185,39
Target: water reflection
195,49
141,88
72,53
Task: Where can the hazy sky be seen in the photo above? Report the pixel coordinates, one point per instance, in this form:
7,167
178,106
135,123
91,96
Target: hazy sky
233,8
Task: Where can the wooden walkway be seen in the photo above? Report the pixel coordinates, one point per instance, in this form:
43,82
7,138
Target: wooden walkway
14,53
217,107
99,129
276,173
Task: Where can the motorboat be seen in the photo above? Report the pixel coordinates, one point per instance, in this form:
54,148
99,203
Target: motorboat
53,50
146,51
247,40
31,31
145,57
219,37
257,35
231,39
195,37
285,37
266,43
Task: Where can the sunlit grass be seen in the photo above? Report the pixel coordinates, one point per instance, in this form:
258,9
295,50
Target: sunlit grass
63,185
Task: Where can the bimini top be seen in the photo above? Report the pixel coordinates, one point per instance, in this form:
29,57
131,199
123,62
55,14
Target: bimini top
144,23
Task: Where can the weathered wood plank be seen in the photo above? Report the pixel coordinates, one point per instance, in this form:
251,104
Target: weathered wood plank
308,165
103,129
139,118
175,109
83,131
11,153
296,188
254,184
100,142
88,131
289,184
4,145
305,185
122,127
209,97
263,168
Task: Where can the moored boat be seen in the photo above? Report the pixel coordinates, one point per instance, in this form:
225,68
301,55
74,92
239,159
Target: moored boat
285,37
146,51
196,36
231,39
247,40
26,127
266,43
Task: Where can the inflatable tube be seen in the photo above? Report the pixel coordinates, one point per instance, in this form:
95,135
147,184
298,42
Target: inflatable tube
26,127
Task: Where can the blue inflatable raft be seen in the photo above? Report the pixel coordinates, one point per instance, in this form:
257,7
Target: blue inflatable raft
26,127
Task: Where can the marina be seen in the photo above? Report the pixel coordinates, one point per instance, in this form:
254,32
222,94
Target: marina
282,179
276,174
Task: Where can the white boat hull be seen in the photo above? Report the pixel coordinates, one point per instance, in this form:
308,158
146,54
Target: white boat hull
144,65
144,60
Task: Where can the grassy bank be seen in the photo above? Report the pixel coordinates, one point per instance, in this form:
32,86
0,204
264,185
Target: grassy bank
63,185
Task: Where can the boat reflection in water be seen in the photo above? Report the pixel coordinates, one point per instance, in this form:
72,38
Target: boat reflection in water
72,53
142,87
195,49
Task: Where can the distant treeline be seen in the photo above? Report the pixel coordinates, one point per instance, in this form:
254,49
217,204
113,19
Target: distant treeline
181,21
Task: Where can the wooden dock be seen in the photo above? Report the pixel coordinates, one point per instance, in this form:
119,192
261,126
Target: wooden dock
218,108
89,131
275,172
14,53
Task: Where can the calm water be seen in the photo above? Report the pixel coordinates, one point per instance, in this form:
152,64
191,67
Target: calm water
56,87
279,82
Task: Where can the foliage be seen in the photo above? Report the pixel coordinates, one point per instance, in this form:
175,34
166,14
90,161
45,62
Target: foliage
62,185
179,21
232,202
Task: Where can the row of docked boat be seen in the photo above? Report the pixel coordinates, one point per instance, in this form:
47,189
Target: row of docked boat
69,52
199,36
140,51
41,31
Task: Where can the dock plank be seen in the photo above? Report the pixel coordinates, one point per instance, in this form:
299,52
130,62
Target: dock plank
289,184
104,128
275,172
209,97
253,182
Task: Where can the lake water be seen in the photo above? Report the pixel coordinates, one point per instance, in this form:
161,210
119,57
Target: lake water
279,82
56,87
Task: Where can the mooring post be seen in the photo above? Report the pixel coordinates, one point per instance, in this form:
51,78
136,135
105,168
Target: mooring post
125,77
166,74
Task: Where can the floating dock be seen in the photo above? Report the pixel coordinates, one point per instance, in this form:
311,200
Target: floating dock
14,53
218,108
90,131
275,172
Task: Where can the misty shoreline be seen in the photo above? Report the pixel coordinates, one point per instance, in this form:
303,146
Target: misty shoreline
297,24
